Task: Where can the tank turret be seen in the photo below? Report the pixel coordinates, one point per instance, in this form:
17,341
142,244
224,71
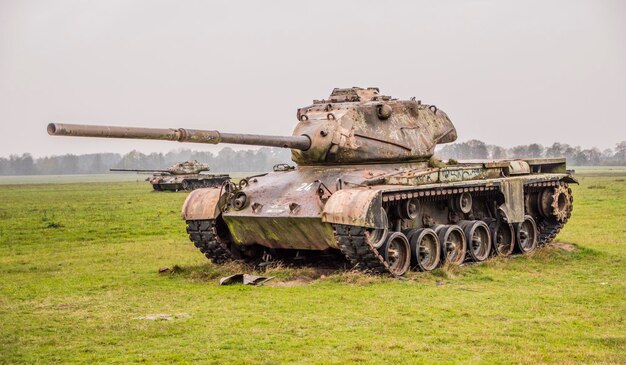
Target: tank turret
188,167
358,125
352,126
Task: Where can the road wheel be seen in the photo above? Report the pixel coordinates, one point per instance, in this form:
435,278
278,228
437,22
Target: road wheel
478,239
527,235
397,253
378,236
425,249
453,244
186,185
503,238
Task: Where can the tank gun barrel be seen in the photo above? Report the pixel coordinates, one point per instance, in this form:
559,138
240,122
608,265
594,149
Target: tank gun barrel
180,135
138,170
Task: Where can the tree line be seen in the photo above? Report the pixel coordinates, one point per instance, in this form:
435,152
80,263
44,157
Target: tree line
226,160
229,160
575,155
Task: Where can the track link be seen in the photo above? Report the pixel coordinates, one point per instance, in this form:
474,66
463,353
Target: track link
548,231
354,243
203,234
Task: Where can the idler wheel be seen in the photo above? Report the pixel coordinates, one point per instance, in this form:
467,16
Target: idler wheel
503,235
478,239
453,244
378,236
397,253
425,249
555,203
527,235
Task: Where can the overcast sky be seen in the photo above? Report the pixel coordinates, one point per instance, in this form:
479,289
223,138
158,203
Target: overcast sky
505,72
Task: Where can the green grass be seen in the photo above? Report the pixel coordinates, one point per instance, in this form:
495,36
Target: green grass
79,265
61,179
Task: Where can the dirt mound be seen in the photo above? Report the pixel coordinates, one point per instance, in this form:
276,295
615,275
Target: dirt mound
567,247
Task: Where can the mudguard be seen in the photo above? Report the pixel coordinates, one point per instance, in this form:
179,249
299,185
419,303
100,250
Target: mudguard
202,204
355,207
513,192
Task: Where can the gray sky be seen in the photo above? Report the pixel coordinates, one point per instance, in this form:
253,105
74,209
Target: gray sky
505,72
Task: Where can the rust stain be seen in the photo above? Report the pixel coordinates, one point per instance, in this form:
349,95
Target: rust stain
201,204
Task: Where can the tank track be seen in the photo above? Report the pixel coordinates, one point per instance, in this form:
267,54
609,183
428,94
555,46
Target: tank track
203,234
352,241
547,229
354,244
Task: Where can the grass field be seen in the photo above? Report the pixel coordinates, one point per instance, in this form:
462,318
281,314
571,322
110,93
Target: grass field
79,274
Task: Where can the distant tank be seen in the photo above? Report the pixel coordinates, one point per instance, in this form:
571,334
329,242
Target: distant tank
186,175
366,186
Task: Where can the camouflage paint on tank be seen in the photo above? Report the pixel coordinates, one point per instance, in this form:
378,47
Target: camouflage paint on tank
361,126
186,175
361,156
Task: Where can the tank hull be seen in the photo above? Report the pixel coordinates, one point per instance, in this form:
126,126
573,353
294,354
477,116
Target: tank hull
303,209
186,182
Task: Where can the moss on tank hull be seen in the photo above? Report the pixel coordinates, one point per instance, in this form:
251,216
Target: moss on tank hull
281,232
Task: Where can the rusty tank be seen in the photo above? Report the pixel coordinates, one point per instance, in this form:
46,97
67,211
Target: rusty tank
188,175
367,187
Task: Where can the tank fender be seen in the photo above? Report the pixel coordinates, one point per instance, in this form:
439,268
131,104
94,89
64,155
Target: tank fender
513,206
356,207
519,167
202,204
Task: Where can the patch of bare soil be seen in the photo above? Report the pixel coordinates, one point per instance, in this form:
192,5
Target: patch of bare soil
290,283
288,276
567,247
